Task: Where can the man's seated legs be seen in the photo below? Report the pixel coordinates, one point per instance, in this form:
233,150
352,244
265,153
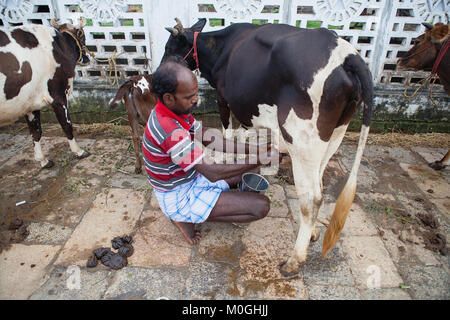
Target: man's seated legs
234,207
230,207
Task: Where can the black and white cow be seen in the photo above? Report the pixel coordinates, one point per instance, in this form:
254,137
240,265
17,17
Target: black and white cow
37,67
305,84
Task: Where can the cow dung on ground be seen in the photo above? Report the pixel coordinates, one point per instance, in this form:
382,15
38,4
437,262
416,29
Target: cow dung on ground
114,260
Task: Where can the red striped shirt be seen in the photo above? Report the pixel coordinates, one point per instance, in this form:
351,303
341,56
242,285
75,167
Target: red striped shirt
168,147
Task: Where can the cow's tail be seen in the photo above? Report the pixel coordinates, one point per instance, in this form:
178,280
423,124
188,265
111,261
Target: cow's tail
356,65
120,94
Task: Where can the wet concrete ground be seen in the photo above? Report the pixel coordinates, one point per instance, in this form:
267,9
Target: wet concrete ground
393,245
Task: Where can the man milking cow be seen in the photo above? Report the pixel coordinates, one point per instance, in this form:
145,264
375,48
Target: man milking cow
189,187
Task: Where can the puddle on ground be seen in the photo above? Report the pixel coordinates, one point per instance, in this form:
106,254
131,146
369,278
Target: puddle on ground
46,191
51,195
280,287
230,257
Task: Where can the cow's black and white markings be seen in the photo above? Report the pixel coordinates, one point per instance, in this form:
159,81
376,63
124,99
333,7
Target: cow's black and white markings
4,40
304,84
16,75
24,38
37,66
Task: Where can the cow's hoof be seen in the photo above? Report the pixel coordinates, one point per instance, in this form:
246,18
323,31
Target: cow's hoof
286,273
437,165
48,165
85,154
138,170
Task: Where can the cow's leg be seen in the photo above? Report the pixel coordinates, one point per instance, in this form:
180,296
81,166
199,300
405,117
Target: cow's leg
133,118
333,145
441,164
62,114
307,152
34,125
306,169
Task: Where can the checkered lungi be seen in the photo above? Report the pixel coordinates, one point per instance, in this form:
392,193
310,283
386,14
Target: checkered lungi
192,201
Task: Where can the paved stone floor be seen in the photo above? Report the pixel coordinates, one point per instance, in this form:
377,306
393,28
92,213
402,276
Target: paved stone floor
392,246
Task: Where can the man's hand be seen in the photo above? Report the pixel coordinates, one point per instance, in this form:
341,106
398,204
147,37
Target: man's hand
218,143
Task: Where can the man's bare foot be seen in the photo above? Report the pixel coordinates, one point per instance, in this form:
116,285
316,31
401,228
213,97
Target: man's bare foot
188,231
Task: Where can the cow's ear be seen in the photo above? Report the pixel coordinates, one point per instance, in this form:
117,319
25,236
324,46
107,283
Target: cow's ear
199,25
80,33
54,23
440,32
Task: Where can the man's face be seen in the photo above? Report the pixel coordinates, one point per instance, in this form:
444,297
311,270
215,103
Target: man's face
185,98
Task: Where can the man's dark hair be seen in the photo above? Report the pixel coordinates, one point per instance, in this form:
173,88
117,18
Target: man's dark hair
165,78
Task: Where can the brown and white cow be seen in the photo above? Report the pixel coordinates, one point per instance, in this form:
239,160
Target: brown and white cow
139,102
305,84
37,67
432,52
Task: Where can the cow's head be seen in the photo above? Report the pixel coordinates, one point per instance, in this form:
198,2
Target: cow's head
77,33
180,41
423,54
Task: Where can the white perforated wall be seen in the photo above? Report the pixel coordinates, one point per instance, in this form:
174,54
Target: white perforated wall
112,26
381,30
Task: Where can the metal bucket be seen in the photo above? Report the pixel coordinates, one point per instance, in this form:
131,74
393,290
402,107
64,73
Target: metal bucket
253,182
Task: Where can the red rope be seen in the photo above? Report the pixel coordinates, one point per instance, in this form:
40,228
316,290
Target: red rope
194,47
442,52
188,53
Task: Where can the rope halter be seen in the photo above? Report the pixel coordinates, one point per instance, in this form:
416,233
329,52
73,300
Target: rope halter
433,75
195,54
78,44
